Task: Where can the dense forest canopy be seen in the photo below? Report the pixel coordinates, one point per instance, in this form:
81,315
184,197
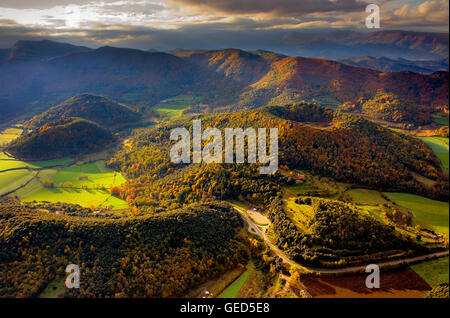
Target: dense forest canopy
150,256
337,235
351,150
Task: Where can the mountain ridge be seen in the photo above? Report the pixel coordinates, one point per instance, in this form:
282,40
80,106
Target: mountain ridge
385,64
230,78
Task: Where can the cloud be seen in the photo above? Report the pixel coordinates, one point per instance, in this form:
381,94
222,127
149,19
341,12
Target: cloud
429,10
213,23
277,8
133,12
8,22
44,4
426,15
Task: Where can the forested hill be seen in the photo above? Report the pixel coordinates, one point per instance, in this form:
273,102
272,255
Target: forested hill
64,137
152,256
95,108
336,234
344,147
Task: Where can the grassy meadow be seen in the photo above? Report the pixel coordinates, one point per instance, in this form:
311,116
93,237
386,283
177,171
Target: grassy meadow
11,180
79,184
440,147
441,120
428,213
233,290
173,107
7,163
298,213
8,135
87,175
434,272
85,198
84,184
366,197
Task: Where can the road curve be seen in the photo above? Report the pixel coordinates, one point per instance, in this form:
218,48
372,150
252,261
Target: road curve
253,228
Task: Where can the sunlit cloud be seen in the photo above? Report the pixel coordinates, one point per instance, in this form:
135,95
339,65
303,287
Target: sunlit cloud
120,21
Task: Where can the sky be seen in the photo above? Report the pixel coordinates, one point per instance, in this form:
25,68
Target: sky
165,24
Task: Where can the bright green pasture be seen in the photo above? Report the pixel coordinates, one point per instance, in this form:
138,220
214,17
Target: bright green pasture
300,214
11,180
34,186
427,213
373,211
84,198
7,162
233,290
87,174
366,197
8,135
434,272
440,147
173,107
301,188
85,180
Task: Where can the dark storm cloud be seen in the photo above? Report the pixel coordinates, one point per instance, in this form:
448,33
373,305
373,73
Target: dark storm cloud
276,7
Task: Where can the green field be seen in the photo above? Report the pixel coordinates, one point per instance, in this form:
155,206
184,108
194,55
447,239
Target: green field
434,272
373,211
440,147
85,180
233,290
301,188
440,120
366,197
11,180
300,214
11,163
8,135
173,107
85,198
55,289
88,175
428,213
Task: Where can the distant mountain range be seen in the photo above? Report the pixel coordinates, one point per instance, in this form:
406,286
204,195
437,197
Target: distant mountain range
385,64
39,50
342,44
37,75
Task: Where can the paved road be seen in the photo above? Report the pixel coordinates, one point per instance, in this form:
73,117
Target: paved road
253,228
